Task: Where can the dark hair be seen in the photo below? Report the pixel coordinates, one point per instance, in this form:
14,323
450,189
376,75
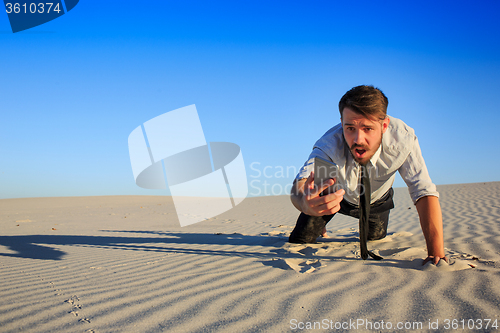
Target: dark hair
367,100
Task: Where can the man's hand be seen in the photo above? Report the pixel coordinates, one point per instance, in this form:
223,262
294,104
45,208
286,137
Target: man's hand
434,259
306,197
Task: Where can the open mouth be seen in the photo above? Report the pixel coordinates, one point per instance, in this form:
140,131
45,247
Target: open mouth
359,152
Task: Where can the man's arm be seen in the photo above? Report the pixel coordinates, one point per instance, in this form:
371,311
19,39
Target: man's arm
431,221
297,192
425,196
306,197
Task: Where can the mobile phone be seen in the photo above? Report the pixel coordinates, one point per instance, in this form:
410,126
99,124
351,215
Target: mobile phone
324,170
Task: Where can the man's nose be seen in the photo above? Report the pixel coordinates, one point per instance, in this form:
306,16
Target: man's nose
359,137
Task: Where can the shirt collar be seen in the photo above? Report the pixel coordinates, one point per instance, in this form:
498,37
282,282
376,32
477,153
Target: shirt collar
375,156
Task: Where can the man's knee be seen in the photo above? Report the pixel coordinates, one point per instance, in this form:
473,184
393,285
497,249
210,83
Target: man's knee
378,226
308,228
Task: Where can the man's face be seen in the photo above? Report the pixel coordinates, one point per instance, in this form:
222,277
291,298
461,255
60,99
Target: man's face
363,135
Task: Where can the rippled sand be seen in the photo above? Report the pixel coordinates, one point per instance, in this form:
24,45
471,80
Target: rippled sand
123,264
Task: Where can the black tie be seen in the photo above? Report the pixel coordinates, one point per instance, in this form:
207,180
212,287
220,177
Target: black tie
364,213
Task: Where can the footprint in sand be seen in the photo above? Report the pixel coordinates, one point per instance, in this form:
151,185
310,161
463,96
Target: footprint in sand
305,266
306,263
298,265
73,301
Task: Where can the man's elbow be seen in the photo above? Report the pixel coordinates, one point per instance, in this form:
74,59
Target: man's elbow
295,194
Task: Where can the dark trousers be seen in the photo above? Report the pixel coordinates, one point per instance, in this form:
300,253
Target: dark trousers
308,228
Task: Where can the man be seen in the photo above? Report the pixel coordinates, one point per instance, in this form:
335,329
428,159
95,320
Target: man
370,143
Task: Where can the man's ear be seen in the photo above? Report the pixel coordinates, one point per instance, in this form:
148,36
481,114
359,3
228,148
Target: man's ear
385,124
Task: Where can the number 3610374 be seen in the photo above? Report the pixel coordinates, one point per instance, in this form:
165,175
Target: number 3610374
32,8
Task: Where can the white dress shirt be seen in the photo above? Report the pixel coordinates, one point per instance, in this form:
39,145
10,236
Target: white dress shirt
399,151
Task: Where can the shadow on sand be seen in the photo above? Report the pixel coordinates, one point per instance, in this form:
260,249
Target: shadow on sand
45,246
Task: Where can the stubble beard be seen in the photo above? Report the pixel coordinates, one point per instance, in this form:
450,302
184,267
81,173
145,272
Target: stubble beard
369,153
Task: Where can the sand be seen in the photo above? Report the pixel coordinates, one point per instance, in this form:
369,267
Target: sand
123,264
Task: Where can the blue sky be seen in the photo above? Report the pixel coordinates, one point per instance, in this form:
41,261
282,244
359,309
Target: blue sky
261,74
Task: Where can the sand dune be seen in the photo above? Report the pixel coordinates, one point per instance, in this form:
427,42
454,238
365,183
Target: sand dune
123,264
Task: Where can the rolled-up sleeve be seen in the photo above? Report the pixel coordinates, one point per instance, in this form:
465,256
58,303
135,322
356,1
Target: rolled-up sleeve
308,167
416,176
